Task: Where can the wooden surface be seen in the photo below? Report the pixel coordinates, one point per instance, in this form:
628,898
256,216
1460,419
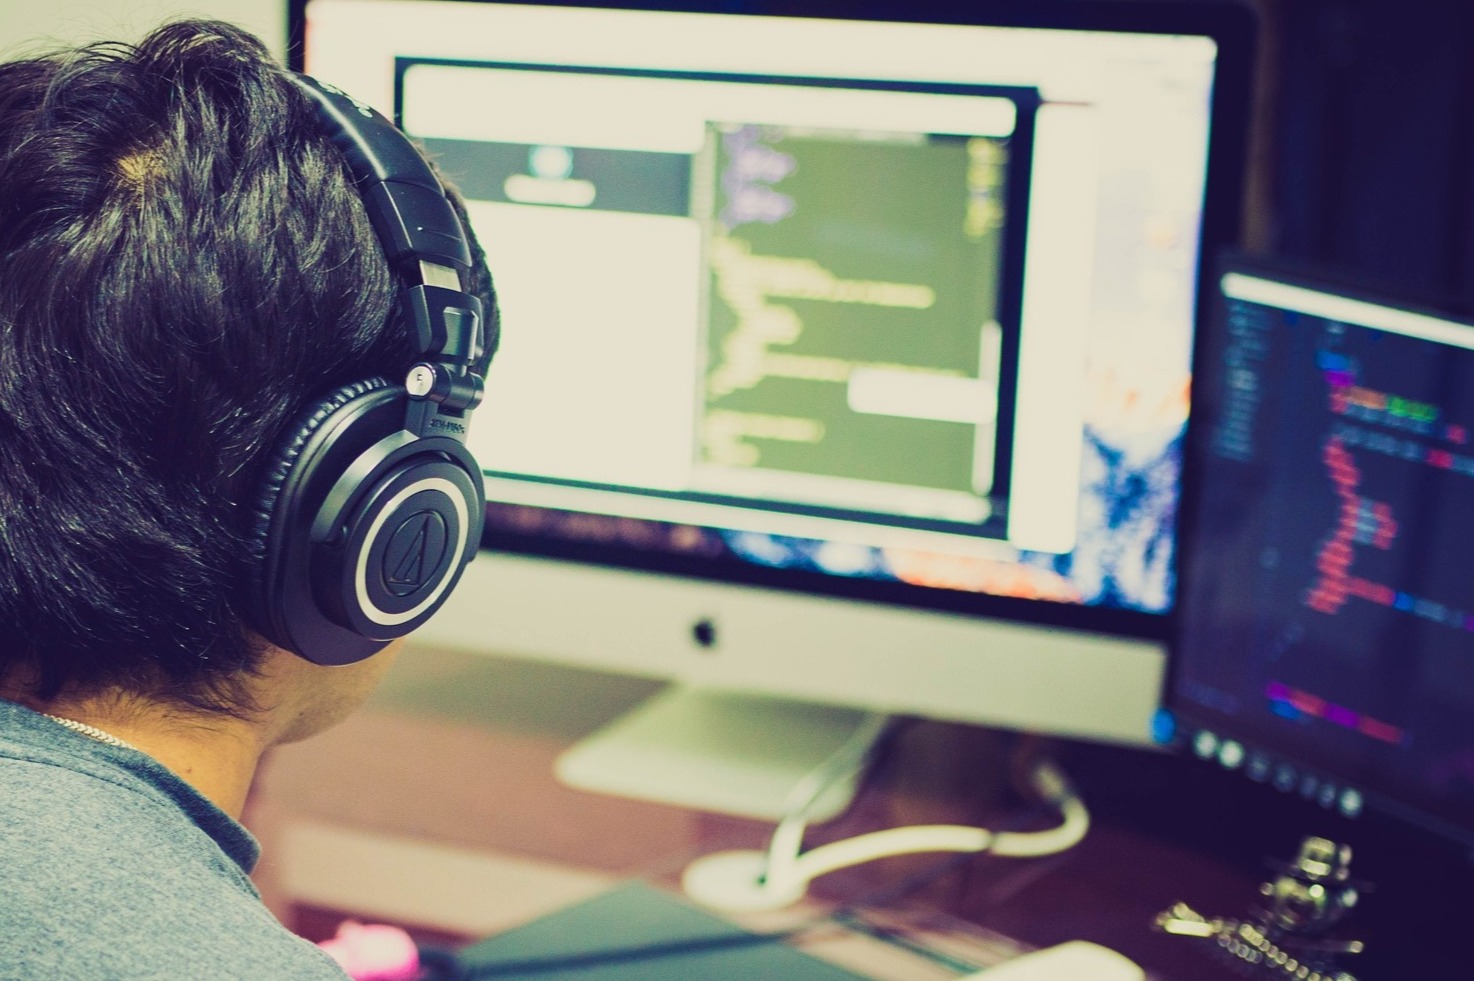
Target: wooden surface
435,807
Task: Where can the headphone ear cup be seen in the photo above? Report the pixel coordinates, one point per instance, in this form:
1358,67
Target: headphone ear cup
405,543
274,517
279,469
361,528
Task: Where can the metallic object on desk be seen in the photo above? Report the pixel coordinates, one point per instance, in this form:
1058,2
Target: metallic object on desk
1252,945
1286,939
1315,893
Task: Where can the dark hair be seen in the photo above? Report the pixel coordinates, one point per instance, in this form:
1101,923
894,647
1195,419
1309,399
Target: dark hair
184,264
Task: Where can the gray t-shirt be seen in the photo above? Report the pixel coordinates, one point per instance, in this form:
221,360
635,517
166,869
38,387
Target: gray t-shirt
111,867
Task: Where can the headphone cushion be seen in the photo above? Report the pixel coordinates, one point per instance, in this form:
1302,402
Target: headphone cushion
288,450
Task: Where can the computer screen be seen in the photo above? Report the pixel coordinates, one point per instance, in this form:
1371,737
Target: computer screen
846,359
1327,608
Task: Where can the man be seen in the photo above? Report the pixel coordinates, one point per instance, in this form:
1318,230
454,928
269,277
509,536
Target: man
185,263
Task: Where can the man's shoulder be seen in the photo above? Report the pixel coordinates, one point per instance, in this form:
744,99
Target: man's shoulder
52,807
106,907
143,940
101,878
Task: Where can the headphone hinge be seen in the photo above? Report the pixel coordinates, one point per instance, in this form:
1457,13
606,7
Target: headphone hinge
445,323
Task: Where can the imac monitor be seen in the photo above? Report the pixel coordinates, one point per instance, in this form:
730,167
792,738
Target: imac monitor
1327,604
843,359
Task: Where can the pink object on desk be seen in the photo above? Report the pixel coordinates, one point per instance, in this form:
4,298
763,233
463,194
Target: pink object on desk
374,952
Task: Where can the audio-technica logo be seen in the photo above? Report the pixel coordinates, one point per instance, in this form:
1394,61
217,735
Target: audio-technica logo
415,553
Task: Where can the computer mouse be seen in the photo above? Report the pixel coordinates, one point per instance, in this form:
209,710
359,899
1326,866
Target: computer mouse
1074,960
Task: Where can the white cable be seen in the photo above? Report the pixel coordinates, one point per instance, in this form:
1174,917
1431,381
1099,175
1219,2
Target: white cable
808,866
756,880
788,838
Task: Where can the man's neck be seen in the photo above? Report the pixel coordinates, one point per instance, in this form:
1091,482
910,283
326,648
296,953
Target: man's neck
217,755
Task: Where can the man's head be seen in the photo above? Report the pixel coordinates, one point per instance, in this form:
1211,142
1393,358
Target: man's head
184,264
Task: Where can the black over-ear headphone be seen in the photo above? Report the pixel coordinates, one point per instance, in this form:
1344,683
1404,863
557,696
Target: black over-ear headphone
372,505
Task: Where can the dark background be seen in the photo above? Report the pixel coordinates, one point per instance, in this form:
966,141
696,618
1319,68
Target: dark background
1362,160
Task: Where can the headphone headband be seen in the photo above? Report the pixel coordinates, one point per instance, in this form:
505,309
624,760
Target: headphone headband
374,505
405,199
426,247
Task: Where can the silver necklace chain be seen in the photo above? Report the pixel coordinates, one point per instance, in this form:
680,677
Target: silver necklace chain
92,732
